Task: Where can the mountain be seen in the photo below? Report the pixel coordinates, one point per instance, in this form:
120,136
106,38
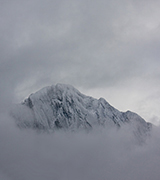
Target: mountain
64,107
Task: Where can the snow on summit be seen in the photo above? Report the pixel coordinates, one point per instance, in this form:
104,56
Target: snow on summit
64,107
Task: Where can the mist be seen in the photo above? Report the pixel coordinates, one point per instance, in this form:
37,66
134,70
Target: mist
109,154
106,49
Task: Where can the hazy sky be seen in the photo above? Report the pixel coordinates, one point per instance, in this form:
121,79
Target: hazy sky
104,48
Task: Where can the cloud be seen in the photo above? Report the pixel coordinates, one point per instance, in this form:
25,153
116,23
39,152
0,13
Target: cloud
102,154
91,45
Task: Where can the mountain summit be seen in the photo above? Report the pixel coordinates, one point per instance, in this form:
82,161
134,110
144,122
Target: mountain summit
64,107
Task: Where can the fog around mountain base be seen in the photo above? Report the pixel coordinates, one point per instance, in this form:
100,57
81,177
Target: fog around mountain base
101,154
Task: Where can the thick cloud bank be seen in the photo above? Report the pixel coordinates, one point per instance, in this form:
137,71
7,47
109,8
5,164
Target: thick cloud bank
102,154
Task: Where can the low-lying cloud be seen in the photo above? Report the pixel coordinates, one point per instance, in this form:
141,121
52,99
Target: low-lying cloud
103,154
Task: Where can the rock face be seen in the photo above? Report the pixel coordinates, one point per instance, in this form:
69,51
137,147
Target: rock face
63,107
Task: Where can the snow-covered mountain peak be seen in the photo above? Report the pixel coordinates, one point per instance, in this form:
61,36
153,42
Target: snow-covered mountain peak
64,107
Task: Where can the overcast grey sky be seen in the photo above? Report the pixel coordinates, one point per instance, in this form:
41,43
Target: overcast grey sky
104,48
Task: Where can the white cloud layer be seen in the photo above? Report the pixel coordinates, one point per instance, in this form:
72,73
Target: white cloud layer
102,154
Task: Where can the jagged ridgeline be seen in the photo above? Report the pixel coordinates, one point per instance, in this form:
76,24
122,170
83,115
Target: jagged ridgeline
64,107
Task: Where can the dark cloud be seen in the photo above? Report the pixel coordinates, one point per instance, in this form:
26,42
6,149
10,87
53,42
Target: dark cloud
88,44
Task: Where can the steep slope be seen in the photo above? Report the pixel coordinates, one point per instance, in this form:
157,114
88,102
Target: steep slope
63,106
